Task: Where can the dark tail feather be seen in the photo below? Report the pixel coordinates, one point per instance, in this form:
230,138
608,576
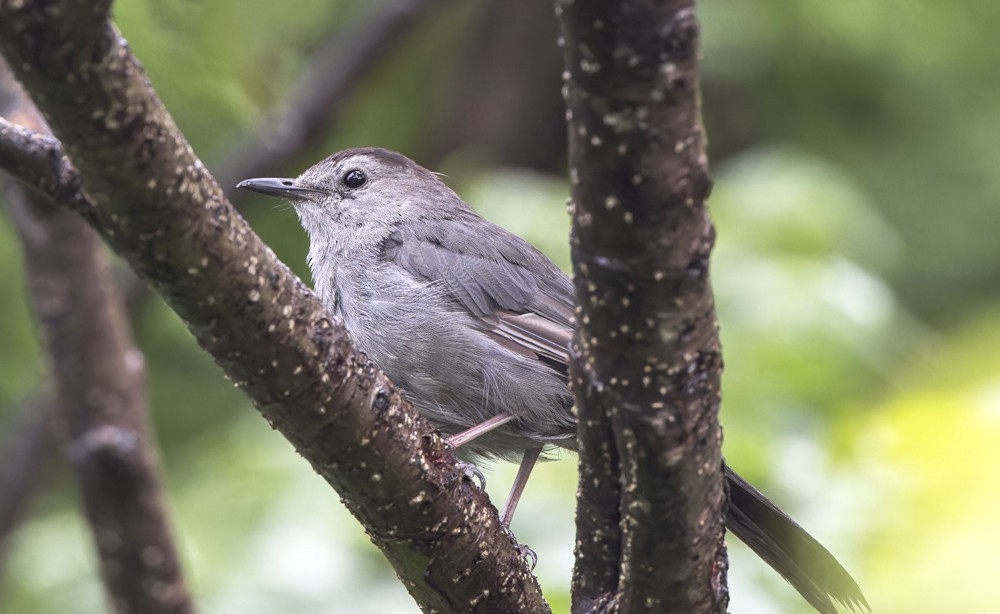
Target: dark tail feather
785,546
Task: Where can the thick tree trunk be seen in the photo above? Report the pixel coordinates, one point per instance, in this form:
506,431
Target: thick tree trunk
647,362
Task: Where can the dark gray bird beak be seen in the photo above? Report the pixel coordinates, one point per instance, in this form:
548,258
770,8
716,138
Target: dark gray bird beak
276,186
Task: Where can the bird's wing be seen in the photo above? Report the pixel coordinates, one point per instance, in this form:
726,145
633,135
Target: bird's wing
519,297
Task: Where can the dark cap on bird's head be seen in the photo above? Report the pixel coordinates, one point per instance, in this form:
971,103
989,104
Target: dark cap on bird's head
366,188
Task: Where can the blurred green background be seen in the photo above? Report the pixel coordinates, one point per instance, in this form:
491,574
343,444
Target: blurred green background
854,147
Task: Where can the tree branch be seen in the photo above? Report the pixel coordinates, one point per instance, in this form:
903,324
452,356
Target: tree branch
161,211
36,159
306,117
101,384
100,380
647,362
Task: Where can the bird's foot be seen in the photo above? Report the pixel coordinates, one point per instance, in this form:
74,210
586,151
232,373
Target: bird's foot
472,472
528,553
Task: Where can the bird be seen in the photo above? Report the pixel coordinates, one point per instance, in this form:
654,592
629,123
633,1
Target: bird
474,325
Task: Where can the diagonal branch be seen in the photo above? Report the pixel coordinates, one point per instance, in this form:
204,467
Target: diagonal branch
310,111
647,362
162,212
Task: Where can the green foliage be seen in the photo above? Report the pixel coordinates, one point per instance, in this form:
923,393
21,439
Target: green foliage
20,364
902,97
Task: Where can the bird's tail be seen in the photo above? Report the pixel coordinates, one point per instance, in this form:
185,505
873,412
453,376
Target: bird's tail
785,546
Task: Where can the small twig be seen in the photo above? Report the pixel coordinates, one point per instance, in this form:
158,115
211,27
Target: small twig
330,77
37,159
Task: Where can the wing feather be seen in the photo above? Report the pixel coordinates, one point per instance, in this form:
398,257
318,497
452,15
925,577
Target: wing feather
520,299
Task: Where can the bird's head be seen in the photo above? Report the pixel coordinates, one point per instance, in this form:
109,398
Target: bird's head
358,190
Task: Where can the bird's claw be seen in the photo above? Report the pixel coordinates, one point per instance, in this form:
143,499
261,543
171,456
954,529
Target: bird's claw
473,473
528,553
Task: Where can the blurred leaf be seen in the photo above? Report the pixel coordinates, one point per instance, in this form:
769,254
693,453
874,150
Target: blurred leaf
804,325
933,450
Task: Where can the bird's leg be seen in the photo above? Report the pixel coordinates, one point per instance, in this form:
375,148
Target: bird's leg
471,433
527,463
460,439
520,481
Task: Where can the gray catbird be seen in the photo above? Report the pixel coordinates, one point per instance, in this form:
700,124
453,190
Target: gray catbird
474,325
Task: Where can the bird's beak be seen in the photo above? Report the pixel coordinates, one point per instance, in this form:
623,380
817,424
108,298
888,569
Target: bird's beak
276,186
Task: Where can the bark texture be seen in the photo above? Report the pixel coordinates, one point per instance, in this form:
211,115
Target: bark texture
647,361
156,205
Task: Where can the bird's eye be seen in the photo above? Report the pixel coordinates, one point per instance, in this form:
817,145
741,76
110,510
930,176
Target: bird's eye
354,179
